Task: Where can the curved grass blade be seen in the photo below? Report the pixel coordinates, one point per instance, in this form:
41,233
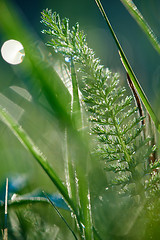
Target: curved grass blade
130,71
39,156
34,197
58,212
53,89
11,25
133,10
140,91
136,98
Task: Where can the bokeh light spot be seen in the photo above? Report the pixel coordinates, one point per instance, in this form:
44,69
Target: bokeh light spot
13,52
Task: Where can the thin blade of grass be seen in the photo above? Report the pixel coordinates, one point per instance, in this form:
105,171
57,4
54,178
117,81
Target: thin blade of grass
70,168
136,98
129,70
38,155
53,88
140,92
35,197
133,10
75,108
70,172
58,212
78,163
5,231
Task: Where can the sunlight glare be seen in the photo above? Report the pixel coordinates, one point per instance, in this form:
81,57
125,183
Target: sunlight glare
12,52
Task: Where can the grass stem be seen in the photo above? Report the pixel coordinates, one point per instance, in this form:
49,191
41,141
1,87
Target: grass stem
129,70
60,215
5,231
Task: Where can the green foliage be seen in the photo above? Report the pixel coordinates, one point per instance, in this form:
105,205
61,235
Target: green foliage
128,67
120,133
116,146
115,121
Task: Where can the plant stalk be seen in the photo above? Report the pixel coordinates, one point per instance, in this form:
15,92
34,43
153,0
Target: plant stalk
130,71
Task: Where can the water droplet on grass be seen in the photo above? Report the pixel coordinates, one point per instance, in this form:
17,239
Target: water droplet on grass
12,52
67,59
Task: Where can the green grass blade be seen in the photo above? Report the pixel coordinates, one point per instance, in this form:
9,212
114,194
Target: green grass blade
130,71
76,100
60,215
5,231
37,154
70,161
33,197
132,9
24,201
76,116
140,92
70,169
79,166
13,27
76,108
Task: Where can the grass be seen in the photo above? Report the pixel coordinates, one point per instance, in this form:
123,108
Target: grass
106,173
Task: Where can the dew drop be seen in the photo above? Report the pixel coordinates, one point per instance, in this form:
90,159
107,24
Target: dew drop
82,225
67,59
13,197
12,52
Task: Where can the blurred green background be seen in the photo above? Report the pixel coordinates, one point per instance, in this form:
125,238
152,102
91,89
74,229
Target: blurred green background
143,58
